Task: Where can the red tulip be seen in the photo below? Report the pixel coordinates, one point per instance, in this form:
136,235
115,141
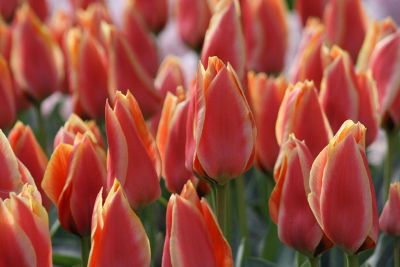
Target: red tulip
220,138
7,8
126,74
88,79
113,224
224,37
288,206
24,230
193,237
309,8
170,75
83,4
36,59
72,180
346,25
266,95
133,157
389,221
5,40
8,109
40,8
301,113
25,146
265,33
342,195
154,13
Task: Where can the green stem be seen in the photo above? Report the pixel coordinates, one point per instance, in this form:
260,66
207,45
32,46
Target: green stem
388,164
54,228
314,261
396,252
221,193
85,249
352,260
241,205
163,201
65,260
41,130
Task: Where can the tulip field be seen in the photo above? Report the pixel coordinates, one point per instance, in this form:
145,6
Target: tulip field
200,133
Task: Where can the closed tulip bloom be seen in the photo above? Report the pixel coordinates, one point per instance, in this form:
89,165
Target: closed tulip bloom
88,79
115,223
220,137
192,18
346,25
389,221
24,230
127,74
36,59
301,113
224,29
40,8
266,95
342,195
83,4
190,219
288,205
133,157
309,8
73,178
25,146
170,75
7,9
154,13
8,109
307,64
266,34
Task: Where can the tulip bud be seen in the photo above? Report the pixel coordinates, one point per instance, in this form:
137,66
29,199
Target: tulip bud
224,29
154,13
88,73
40,8
342,195
91,19
24,230
187,215
265,33
7,9
346,25
301,113
127,74
288,206
25,146
170,75
266,95
389,221
192,18
83,4
307,64
133,157
115,223
8,109
309,8
72,180
220,138
36,60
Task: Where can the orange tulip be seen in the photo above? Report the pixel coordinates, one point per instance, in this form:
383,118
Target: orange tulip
73,186
114,223
342,195
301,113
266,95
154,13
36,59
265,33
24,230
288,206
389,221
193,237
25,146
224,29
133,157
309,8
8,109
220,138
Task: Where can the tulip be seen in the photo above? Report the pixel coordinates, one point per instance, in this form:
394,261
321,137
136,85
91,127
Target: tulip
192,18
309,8
301,113
24,230
7,9
266,95
5,40
141,41
13,172
88,73
36,60
265,33
356,91
8,109
133,157
389,221
72,180
307,64
83,4
170,75
288,206
220,138
126,74
27,149
154,13
190,219
346,25
342,195
40,8
114,224
224,37
91,19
